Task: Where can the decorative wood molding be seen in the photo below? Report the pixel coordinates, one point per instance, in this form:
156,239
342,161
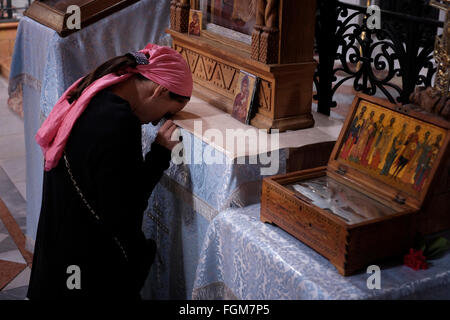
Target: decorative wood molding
179,15
173,14
265,95
256,38
219,75
268,45
222,78
265,36
284,96
195,4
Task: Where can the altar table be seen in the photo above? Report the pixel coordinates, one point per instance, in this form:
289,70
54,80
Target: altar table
190,195
243,258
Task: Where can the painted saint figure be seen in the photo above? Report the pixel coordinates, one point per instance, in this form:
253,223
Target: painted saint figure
238,15
373,130
243,12
393,153
408,153
194,26
426,163
382,144
358,150
353,133
240,106
409,170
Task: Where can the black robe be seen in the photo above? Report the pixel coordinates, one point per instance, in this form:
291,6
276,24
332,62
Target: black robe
105,154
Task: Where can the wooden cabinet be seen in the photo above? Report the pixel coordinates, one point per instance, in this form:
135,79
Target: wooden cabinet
276,46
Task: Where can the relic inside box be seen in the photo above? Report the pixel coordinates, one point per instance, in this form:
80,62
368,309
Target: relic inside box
55,14
271,39
364,206
344,202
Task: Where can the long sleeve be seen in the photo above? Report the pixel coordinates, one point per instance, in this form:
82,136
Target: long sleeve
123,181
156,162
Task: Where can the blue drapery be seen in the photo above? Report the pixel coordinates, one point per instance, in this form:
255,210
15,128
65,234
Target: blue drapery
243,258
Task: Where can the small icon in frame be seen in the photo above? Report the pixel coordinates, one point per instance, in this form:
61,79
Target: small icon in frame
195,22
245,96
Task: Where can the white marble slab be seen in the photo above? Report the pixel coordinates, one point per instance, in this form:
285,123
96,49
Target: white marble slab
211,125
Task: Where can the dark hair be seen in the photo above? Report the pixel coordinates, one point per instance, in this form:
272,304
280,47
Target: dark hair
114,65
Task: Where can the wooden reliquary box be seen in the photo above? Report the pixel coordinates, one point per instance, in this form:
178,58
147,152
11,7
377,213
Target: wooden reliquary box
366,204
54,13
271,39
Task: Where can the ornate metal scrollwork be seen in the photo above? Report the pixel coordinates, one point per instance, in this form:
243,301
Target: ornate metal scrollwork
393,59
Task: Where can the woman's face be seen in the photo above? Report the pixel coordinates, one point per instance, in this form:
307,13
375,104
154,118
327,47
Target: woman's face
154,103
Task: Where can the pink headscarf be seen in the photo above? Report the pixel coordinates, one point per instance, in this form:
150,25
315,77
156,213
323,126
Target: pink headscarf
166,67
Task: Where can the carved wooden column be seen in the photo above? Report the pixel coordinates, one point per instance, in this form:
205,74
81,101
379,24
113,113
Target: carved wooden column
195,4
173,14
265,36
179,15
258,28
268,45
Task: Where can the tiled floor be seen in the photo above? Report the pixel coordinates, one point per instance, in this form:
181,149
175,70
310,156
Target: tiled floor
15,261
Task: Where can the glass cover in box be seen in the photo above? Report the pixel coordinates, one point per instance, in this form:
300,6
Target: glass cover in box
348,204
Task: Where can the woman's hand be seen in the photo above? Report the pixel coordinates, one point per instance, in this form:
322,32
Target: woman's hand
165,133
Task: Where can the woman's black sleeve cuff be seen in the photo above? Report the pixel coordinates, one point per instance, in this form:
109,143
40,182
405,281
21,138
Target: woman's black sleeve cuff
158,156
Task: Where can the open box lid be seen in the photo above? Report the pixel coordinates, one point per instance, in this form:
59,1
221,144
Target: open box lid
389,150
53,13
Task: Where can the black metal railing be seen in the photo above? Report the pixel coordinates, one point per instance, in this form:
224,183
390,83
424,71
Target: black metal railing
9,8
392,60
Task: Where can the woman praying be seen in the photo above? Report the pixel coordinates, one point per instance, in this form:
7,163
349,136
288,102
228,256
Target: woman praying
96,180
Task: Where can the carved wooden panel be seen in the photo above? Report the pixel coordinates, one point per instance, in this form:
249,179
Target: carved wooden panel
223,78
265,95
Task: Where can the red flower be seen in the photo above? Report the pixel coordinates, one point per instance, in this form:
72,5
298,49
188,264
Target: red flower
415,260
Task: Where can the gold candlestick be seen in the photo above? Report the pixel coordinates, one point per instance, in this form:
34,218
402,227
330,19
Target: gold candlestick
442,51
363,37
